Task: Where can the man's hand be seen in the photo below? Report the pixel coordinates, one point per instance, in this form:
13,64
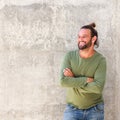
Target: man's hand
90,80
68,73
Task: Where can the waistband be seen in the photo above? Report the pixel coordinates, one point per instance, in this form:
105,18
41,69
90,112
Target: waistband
99,105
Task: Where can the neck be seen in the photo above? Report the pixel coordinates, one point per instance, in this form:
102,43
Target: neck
86,53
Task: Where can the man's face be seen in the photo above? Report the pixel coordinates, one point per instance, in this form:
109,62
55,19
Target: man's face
84,39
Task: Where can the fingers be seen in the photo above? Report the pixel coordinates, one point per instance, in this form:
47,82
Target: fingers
67,69
67,72
90,80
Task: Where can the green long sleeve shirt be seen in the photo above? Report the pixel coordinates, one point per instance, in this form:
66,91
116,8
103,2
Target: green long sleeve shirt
81,94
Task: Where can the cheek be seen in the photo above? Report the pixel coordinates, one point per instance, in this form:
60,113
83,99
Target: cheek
78,40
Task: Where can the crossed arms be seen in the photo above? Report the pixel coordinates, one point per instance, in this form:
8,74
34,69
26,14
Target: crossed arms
84,83
68,73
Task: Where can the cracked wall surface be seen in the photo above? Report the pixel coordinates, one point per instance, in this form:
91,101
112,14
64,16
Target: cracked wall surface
34,37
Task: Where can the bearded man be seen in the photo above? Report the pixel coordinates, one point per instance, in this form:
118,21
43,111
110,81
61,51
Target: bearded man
83,73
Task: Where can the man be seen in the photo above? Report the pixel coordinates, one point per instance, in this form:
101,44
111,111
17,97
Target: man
83,73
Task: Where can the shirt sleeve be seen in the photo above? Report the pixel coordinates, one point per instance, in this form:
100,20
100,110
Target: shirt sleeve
70,81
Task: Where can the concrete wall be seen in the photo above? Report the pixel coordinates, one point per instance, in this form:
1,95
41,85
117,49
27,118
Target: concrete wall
34,36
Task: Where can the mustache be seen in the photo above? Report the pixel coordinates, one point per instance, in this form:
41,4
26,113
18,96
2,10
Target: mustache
81,41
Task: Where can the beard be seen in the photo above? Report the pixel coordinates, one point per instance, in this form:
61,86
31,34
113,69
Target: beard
83,45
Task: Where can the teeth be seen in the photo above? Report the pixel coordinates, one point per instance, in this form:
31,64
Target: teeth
82,43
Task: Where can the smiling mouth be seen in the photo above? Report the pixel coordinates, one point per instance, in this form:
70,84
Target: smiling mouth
82,43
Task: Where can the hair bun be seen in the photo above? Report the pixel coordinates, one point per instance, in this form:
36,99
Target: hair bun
92,25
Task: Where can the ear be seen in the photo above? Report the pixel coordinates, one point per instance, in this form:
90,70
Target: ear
94,39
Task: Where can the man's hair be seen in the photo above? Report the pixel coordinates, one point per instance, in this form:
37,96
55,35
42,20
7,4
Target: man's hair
94,32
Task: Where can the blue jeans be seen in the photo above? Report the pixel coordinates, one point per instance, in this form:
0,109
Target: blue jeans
93,113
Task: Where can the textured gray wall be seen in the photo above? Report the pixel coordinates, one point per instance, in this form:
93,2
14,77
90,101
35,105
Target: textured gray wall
33,40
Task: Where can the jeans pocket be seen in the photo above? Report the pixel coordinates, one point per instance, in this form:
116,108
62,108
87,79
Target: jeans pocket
70,108
99,107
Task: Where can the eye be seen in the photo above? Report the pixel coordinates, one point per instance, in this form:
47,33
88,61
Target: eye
84,37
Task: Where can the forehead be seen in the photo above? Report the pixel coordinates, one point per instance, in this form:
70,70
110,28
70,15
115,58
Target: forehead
84,32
